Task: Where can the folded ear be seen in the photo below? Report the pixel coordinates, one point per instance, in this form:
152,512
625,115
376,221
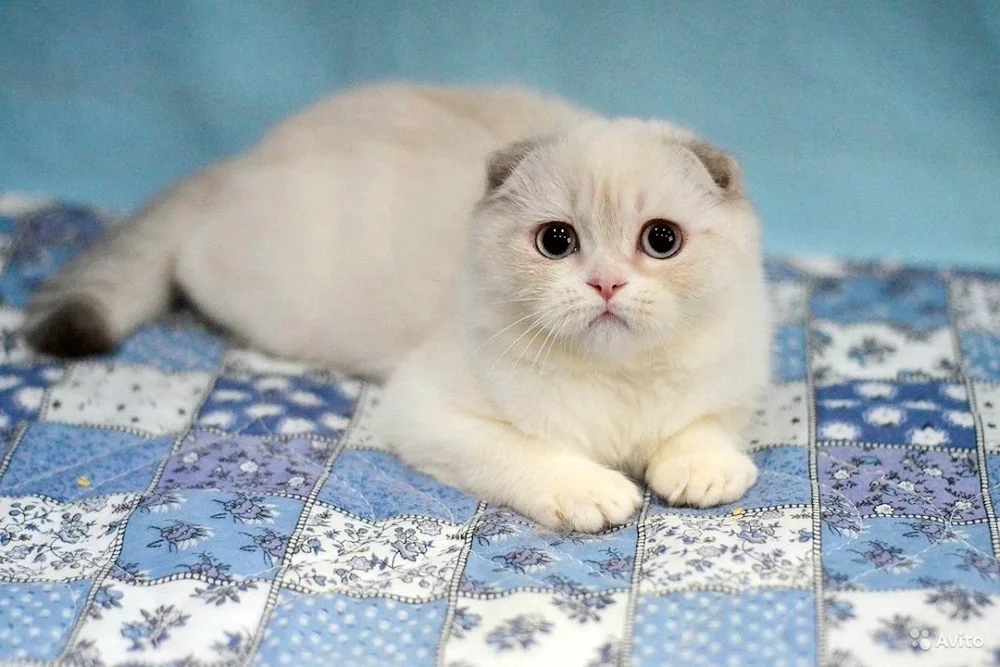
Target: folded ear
721,166
501,163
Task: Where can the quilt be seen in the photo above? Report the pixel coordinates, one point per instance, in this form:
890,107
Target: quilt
187,501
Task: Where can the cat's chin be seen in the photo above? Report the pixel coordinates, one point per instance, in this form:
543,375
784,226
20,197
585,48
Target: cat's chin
610,337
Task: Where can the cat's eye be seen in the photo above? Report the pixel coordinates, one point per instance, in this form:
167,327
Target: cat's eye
556,240
661,239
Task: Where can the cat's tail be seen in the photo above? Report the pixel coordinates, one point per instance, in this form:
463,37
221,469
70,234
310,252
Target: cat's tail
116,285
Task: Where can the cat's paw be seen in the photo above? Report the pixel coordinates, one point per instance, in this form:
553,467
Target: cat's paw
701,478
585,497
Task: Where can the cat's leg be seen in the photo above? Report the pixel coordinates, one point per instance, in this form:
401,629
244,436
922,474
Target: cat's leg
555,486
702,466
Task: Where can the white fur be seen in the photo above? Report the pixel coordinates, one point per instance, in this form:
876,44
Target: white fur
521,398
334,240
345,238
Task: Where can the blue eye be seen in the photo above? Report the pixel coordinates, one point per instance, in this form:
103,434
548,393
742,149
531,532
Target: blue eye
661,239
556,240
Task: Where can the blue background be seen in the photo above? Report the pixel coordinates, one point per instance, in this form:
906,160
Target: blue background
866,129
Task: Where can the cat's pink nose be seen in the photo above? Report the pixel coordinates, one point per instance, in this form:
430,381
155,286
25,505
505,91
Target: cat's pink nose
606,286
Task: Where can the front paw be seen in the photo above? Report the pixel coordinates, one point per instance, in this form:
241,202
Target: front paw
701,478
583,496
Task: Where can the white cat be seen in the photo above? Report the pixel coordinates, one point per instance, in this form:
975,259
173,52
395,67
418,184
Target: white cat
611,316
603,311
334,240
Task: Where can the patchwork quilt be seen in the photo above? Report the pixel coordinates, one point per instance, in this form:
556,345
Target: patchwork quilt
186,501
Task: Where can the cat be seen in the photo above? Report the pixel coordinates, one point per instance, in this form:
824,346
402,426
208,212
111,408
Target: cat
558,301
611,320
333,240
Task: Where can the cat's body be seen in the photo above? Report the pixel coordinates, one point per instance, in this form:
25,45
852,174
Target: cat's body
526,378
335,240
556,375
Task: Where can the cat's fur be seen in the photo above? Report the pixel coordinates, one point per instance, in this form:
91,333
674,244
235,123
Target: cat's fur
334,240
526,397
345,238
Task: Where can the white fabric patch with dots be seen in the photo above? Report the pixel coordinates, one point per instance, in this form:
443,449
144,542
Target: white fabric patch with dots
137,397
782,418
988,407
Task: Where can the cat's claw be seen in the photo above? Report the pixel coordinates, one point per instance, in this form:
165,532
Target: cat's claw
701,479
586,498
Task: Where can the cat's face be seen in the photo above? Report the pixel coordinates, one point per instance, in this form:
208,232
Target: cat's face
612,238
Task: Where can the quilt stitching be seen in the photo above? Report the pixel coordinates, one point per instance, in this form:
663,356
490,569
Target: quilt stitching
243,513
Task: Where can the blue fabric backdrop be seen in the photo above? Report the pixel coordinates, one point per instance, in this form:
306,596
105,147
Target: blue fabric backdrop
867,129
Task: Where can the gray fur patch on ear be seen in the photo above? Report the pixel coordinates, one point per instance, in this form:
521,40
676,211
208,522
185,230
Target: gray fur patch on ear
502,163
721,166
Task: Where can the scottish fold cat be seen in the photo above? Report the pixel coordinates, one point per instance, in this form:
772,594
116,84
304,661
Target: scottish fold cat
560,303
610,322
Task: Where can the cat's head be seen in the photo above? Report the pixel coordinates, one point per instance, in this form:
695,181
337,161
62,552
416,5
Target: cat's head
610,238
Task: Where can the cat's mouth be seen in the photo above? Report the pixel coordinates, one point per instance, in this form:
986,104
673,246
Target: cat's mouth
609,318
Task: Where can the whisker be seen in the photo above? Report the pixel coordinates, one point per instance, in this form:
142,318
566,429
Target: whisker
526,347
542,346
562,325
538,322
483,344
530,299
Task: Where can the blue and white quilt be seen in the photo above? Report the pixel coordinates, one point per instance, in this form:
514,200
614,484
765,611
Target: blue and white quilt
189,502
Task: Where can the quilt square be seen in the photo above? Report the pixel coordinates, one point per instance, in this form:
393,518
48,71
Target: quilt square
909,297
8,234
36,619
248,464
976,303
129,397
708,628
44,540
22,391
226,536
896,481
845,352
778,269
48,238
944,625
982,355
788,301
13,349
15,204
176,622
411,558
928,414
278,405
987,397
759,549
325,630
173,344
376,485
993,474
782,417
241,362
92,462
537,628
892,554
783,480
788,353
509,554
362,434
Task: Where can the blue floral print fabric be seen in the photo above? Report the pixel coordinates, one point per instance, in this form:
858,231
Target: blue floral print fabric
187,501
